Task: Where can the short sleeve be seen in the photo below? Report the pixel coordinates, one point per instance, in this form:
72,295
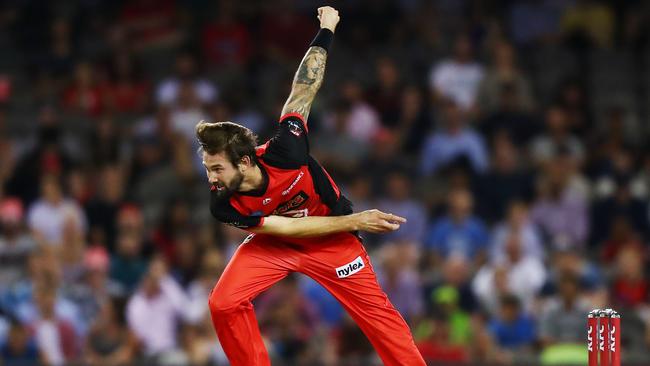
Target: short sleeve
289,148
223,211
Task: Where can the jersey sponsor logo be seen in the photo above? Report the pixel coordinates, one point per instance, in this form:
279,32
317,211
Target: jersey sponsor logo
351,268
257,213
266,201
295,128
293,184
292,204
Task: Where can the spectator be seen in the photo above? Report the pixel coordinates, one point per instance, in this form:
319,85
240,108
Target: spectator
127,264
517,273
226,41
151,24
126,91
15,243
84,95
504,75
556,139
507,180
518,225
400,280
454,141
630,288
109,341
20,347
458,78
589,22
154,310
398,201
186,73
513,329
459,233
563,316
360,121
49,215
55,337
560,210
386,94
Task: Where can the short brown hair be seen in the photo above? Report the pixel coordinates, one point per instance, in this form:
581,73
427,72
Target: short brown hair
235,140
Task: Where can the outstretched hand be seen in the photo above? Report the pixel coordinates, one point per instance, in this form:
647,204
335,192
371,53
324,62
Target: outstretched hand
375,221
328,17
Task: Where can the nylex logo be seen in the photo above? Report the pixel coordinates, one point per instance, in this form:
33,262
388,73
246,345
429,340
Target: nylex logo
351,268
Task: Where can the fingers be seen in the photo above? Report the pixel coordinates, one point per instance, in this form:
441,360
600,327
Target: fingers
391,217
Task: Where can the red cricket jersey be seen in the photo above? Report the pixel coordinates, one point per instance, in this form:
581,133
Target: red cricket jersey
295,185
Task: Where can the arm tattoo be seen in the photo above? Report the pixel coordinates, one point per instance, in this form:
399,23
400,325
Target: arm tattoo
306,82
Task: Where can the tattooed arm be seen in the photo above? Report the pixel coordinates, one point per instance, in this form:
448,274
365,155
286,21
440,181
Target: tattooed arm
311,71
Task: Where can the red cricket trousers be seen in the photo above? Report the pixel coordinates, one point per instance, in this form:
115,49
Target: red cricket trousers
338,262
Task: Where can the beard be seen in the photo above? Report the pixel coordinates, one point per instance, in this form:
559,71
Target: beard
226,190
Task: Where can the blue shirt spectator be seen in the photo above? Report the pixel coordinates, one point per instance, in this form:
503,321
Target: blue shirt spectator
512,329
453,142
460,233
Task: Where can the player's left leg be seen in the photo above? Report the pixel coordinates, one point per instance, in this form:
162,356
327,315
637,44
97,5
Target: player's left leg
341,265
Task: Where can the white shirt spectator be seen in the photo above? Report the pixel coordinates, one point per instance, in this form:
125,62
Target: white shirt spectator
50,219
524,279
529,238
457,81
167,92
153,319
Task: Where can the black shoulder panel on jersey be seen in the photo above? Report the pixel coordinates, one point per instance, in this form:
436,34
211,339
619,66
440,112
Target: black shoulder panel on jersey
289,148
223,211
339,205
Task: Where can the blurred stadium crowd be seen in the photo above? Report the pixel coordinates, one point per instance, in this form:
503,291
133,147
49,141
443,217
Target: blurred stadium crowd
512,135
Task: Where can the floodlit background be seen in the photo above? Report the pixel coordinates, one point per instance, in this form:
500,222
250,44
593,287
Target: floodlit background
513,135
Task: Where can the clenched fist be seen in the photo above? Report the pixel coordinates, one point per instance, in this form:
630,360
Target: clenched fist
329,17
375,221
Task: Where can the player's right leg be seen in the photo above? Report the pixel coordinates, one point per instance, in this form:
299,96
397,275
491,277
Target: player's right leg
257,264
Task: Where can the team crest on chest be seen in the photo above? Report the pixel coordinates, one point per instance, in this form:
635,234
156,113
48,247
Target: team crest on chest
295,128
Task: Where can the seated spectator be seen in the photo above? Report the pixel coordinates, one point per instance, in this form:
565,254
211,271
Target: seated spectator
127,264
126,91
459,233
55,337
504,73
507,179
556,138
513,329
20,347
630,287
186,72
48,216
563,316
620,205
226,40
151,24
154,310
455,140
456,273
109,341
399,201
458,78
399,279
517,224
517,273
287,318
84,95
560,211
15,243
385,95
621,237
